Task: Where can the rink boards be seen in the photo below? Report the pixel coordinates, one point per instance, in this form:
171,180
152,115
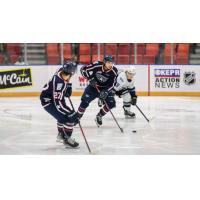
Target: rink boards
151,80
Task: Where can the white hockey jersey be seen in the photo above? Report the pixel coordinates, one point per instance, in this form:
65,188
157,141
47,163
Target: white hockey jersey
123,84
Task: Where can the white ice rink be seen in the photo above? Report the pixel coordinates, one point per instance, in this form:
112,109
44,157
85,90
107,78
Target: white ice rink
25,128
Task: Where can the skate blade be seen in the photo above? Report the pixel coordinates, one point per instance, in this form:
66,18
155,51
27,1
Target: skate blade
70,147
59,140
129,117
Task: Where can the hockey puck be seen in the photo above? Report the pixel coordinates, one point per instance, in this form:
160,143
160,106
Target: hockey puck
134,131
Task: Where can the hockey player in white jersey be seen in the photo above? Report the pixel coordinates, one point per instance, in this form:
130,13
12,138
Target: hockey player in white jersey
125,89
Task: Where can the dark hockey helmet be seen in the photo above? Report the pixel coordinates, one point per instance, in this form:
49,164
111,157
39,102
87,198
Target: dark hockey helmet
69,67
108,58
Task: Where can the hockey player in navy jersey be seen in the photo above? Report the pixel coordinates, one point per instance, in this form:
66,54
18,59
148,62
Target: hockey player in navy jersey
53,101
102,78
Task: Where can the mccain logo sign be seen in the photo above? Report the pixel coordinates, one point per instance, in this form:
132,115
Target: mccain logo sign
15,78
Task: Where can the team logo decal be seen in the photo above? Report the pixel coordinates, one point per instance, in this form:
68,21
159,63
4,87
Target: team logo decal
101,78
189,78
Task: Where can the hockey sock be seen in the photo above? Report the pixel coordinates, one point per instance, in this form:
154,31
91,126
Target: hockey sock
104,110
60,127
68,129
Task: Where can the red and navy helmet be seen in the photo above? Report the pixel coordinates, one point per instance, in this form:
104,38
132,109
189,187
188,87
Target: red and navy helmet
69,67
108,58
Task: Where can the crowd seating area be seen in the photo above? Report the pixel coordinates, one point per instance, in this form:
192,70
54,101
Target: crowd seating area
124,53
10,52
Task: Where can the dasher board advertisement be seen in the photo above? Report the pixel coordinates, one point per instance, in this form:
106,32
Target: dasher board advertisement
175,78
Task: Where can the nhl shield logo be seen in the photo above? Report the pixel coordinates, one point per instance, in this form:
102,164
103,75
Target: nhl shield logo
189,78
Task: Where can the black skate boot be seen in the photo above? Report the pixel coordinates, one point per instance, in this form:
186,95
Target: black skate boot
98,119
128,113
60,138
70,143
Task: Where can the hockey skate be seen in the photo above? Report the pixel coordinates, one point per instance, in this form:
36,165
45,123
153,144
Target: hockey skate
60,138
70,143
128,113
98,120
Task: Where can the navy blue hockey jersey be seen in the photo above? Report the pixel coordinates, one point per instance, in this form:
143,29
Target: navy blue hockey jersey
54,92
104,79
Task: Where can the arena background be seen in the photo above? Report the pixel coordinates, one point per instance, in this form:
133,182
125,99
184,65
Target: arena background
163,69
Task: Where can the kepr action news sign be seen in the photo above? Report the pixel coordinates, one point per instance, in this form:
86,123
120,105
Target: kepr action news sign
167,78
176,78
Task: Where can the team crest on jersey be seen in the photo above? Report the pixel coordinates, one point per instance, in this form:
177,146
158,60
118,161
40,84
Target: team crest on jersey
59,86
189,78
101,78
99,72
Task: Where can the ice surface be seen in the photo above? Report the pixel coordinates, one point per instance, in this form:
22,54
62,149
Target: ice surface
25,128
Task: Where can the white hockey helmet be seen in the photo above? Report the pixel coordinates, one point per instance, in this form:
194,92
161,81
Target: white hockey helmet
131,70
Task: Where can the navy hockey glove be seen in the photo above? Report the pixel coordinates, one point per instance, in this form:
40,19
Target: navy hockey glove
69,90
93,82
103,95
73,118
134,100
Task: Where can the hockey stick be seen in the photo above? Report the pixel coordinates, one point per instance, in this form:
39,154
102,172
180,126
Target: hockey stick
121,129
80,127
142,112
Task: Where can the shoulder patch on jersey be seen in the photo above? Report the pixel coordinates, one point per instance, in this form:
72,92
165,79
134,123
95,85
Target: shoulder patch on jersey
59,86
91,72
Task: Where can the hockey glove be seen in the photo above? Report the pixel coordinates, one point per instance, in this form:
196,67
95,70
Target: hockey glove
73,118
121,92
93,82
103,95
134,100
69,90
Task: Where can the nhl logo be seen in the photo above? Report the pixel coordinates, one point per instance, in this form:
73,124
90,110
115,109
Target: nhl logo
189,78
